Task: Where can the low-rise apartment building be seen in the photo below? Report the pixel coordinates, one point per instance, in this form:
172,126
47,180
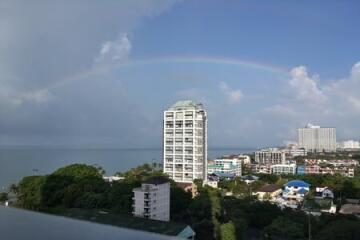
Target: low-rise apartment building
322,166
283,169
226,164
152,199
270,156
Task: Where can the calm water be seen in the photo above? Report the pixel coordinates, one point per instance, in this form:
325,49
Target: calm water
16,163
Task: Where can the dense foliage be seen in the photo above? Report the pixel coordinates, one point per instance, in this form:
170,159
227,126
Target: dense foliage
82,186
3,196
211,214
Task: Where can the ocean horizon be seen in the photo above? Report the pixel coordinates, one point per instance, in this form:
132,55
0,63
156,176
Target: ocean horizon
17,162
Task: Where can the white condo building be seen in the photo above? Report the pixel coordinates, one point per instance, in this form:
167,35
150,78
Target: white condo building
317,139
270,156
152,199
185,141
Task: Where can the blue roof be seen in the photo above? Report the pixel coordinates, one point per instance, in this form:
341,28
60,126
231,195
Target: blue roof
302,190
297,183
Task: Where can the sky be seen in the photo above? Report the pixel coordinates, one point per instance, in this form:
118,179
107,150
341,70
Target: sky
91,73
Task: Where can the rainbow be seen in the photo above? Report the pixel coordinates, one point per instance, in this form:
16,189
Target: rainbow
177,60
211,60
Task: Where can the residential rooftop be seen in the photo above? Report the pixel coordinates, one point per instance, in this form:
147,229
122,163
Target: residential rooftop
157,180
297,183
350,209
269,188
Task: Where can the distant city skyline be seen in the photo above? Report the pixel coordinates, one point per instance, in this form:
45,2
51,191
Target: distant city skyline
79,73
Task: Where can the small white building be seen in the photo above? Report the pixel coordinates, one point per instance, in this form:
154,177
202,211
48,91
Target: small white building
211,183
283,169
152,199
323,192
112,178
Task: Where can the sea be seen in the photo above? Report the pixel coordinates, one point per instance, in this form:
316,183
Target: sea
18,162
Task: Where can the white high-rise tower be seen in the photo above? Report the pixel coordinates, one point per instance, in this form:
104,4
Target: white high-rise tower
185,141
317,139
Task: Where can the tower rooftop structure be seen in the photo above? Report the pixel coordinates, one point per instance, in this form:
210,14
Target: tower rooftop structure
186,104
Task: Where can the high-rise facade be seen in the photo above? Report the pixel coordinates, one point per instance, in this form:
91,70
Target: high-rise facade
317,139
185,141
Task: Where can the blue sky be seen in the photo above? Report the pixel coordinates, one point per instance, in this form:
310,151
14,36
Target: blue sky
90,73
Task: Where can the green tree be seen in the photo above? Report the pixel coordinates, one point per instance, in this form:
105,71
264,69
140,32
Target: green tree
179,202
340,229
3,196
283,228
30,192
204,229
79,171
268,178
227,231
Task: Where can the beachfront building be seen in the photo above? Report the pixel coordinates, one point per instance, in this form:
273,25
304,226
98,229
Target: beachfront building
283,169
226,164
244,159
270,156
293,150
349,145
152,199
185,142
317,139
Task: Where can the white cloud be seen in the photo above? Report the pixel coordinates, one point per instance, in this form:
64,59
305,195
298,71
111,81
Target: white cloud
305,87
38,96
11,97
283,110
232,95
355,71
115,51
355,102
